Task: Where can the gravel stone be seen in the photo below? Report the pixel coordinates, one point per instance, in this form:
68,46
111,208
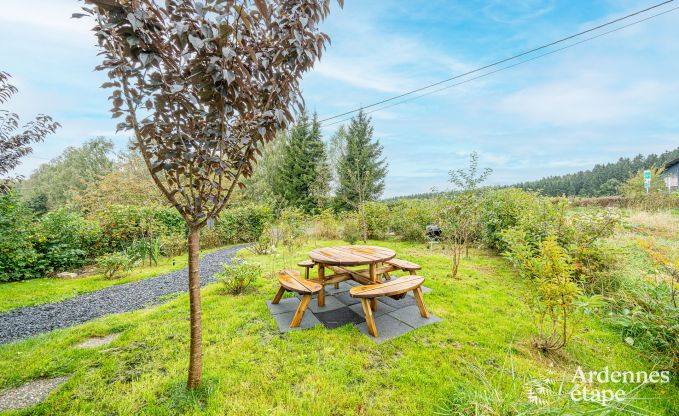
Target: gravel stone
22,323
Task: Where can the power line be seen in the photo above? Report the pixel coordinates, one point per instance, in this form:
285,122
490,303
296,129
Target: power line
506,67
499,62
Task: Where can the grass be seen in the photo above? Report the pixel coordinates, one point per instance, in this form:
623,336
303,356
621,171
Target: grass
476,361
53,289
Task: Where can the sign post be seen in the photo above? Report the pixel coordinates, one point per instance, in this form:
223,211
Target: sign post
647,180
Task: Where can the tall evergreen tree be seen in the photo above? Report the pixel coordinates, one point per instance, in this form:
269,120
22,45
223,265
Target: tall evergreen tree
303,181
361,168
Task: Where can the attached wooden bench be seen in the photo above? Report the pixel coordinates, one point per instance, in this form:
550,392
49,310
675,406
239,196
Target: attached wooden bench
405,265
291,282
394,288
307,265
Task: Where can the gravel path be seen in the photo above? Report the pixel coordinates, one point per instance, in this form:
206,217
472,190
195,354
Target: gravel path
25,322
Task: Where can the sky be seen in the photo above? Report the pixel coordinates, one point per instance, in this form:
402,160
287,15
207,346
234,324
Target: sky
616,96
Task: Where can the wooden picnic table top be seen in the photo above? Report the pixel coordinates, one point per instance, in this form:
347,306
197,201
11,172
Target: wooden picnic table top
351,255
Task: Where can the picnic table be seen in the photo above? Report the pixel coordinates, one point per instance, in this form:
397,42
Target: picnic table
340,258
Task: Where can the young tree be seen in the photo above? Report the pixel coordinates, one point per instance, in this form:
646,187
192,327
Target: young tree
361,168
202,86
459,216
15,141
303,180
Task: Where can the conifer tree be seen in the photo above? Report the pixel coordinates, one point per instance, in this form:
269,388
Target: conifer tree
304,177
361,168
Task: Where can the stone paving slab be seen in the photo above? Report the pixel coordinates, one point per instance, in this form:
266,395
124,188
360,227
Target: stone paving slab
382,309
339,317
96,342
388,327
346,299
283,321
29,394
331,302
397,304
411,316
285,305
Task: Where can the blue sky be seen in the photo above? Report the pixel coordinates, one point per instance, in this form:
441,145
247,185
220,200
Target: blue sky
615,96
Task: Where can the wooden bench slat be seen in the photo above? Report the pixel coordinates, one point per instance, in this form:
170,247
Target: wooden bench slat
404,264
394,287
290,280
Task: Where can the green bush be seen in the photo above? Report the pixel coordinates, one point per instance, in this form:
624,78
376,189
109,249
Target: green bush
243,224
326,225
122,224
238,275
377,217
112,264
409,218
351,227
291,227
65,240
17,255
173,245
502,209
649,320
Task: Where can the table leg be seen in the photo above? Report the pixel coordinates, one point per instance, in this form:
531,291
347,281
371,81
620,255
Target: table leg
321,278
373,278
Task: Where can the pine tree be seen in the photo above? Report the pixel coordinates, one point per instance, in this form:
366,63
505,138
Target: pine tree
303,180
361,168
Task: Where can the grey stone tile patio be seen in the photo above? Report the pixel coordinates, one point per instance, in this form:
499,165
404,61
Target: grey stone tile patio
393,318
285,305
283,321
331,302
382,308
411,316
388,327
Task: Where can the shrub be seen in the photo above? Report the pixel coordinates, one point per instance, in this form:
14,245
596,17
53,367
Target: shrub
17,255
145,248
502,209
292,228
243,224
409,218
265,242
326,225
351,227
173,245
122,224
649,320
377,218
110,265
238,275
65,240
211,238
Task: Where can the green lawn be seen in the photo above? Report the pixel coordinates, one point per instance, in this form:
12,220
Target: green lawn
477,357
51,289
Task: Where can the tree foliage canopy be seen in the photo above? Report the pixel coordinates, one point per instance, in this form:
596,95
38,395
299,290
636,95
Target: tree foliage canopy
203,86
303,180
15,139
361,168
59,182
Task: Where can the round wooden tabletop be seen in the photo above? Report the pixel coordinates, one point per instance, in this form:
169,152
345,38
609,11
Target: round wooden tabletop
351,255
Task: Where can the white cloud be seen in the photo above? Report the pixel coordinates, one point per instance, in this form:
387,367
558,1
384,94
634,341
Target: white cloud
585,100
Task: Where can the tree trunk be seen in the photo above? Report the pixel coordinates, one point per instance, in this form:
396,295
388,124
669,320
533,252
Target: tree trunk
196,357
